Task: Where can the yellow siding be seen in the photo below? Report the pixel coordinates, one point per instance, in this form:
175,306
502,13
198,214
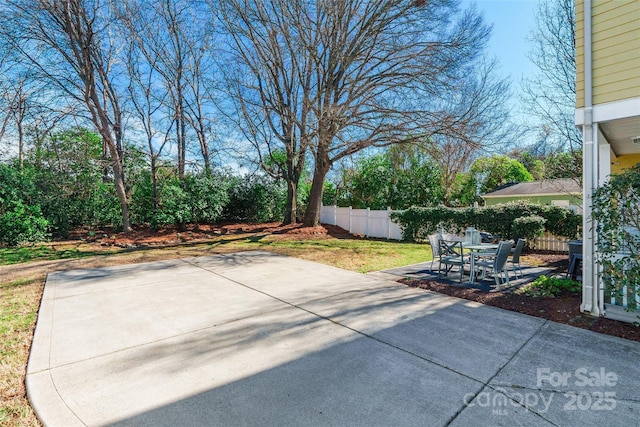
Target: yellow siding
615,50
618,54
624,162
611,8
579,54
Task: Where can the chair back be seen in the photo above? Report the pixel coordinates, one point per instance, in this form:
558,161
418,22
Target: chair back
451,237
575,247
503,252
451,248
518,250
434,241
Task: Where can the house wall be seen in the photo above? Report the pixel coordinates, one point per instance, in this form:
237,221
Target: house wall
615,47
543,200
624,162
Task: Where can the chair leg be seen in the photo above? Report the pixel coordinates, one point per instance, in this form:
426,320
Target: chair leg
520,268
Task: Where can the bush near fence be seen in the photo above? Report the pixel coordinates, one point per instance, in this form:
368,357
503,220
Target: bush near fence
504,220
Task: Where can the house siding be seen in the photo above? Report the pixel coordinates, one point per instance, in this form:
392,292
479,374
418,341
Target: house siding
615,50
624,162
579,54
543,200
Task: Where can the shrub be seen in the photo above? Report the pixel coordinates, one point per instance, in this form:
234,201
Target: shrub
528,227
417,223
545,286
255,199
207,197
616,212
21,224
21,218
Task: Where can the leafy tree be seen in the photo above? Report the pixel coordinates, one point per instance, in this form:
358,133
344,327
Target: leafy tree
464,190
398,178
560,164
492,172
21,219
533,164
563,165
71,43
73,191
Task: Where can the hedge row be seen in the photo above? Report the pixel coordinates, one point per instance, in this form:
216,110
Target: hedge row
509,221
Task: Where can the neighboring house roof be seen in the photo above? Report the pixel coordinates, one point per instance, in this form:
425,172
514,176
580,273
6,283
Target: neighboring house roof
548,187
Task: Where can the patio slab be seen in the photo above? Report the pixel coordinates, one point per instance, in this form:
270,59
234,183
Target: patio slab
422,271
262,339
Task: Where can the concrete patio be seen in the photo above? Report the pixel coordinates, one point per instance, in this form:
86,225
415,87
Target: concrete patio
255,338
423,271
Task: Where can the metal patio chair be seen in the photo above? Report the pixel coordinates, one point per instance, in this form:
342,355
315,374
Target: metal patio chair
497,265
514,261
434,241
451,255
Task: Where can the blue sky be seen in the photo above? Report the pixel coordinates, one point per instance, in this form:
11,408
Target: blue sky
513,21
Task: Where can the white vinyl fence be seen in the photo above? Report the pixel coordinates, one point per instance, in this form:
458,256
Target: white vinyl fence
375,223
362,221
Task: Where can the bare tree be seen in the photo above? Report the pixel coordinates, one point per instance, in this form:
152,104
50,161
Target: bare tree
484,125
14,97
351,74
199,86
270,87
146,103
73,44
550,95
175,41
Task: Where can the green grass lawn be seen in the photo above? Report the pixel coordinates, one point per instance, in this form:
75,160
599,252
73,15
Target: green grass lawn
362,255
41,252
356,255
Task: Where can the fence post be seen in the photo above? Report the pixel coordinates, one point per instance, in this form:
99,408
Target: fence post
350,208
335,214
388,222
366,225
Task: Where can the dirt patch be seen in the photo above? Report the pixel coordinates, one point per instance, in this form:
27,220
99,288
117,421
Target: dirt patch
562,309
171,235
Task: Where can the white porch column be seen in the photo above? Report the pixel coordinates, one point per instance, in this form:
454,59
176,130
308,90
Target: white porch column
590,153
590,165
604,170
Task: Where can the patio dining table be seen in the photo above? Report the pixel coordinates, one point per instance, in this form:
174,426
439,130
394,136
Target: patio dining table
478,251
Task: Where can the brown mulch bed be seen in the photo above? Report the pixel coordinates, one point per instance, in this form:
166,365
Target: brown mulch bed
144,236
563,309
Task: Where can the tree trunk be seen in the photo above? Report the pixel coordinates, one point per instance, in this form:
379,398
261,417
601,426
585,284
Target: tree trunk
312,214
205,155
154,182
20,144
118,175
291,209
